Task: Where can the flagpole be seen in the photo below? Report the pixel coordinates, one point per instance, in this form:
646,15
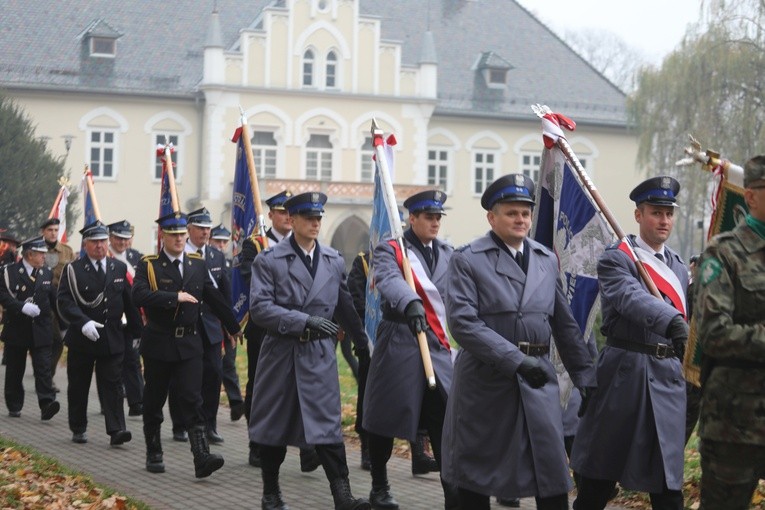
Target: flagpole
56,202
253,179
710,160
92,192
398,235
543,112
171,178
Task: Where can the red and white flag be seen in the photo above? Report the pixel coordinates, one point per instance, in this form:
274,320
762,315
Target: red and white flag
59,211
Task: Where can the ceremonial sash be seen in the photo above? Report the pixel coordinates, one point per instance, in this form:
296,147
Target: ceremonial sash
435,311
665,279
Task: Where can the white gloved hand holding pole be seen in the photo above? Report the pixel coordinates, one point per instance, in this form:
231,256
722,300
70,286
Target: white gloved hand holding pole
90,330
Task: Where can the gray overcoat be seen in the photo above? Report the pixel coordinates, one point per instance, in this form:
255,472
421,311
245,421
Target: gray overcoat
634,427
296,392
396,382
501,437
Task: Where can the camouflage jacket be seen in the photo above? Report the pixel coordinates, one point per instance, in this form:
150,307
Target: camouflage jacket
730,308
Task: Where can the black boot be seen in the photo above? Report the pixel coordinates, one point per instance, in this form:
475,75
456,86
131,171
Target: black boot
451,496
154,461
381,498
344,500
205,463
309,459
273,502
422,463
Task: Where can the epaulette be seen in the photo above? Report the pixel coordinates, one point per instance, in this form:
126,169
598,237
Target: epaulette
462,248
194,255
147,258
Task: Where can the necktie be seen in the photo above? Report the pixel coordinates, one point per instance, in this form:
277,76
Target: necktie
34,273
659,256
309,260
519,260
99,269
199,250
177,264
429,257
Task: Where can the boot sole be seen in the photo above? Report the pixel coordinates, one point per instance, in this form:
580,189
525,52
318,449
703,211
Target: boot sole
209,468
155,469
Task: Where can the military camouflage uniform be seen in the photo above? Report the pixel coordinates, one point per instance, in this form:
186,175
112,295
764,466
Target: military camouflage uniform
731,311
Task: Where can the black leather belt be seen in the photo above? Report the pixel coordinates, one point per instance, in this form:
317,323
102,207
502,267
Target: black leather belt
310,335
177,332
533,349
661,351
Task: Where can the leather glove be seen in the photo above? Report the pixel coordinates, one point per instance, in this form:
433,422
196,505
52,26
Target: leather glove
531,370
586,392
415,316
677,331
322,325
30,310
90,330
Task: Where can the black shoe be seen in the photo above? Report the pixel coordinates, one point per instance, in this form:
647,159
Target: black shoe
181,436
254,458
80,438
273,502
120,437
50,410
213,437
381,498
309,460
14,414
512,503
237,411
135,409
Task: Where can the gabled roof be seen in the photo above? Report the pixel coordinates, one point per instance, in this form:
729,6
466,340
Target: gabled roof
100,28
161,48
490,60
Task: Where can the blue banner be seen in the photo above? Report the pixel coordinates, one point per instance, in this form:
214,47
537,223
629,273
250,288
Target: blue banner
243,221
568,223
379,230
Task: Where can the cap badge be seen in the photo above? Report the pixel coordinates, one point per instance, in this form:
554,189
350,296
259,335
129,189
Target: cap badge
519,181
314,197
665,183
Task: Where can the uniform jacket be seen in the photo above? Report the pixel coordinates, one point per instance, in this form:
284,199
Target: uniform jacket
133,256
216,265
634,428
16,288
108,301
502,437
396,383
296,390
165,314
56,258
730,309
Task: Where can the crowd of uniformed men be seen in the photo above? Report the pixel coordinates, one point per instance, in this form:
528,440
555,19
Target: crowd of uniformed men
494,421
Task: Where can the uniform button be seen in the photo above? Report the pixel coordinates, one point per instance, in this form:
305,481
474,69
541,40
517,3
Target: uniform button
520,315
650,379
326,309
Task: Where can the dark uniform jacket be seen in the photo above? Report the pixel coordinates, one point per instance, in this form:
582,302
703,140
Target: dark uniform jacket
83,296
133,256
170,333
17,288
216,265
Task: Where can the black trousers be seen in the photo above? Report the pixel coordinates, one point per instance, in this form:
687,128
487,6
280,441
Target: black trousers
79,370
476,501
431,419
230,377
15,367
593,494
185,376
332,457
254,337
362,386
212,374
132,378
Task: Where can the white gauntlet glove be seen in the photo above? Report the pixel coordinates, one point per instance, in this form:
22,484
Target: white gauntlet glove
30,310
90,330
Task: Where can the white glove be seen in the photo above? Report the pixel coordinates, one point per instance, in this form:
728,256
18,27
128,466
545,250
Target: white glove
90,330
136,343
30,309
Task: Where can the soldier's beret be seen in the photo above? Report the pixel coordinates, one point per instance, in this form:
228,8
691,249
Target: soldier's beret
754,171
49,222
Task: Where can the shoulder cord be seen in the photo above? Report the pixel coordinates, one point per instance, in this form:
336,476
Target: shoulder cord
76,293
7,282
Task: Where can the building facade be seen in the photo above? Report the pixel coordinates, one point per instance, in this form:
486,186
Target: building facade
453,80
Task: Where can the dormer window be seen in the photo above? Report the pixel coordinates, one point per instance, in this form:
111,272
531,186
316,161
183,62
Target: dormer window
103,47
494,69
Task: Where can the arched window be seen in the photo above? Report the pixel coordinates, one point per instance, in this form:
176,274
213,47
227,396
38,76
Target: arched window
331,74
308,61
